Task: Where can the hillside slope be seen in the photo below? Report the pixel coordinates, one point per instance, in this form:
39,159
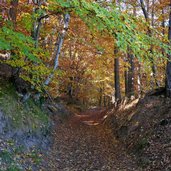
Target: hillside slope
145,129
24,130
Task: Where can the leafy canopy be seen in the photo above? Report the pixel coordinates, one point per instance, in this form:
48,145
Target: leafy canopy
123,27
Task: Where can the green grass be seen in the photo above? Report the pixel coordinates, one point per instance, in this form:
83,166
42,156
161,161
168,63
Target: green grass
28,115
6,156
7,159
13,168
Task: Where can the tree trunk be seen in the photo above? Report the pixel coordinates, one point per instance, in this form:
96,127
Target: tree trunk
139,88
117,77
149,33
37,23
58,47
163,22
13,11
100,96
116,71
130,87
126,81
126,76
37,33
70,88
168,68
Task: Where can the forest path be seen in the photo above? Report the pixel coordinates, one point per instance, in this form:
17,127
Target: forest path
81,147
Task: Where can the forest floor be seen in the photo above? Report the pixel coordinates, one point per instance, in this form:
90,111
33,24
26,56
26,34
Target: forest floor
81,144
134,136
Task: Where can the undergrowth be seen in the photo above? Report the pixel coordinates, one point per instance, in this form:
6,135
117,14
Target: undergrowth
28,115
14,158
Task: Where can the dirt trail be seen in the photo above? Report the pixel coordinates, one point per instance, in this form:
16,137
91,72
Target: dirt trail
81,147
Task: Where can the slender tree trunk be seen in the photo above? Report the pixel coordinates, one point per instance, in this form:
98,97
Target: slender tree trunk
70,88
152,14
104,100
163,22
163,33
139,79
100,96
126,81
117,77
37,24
13,11
130,75
37,33
58,47
137,67
116,70
146,16
154,68
168,68
126,76
145,11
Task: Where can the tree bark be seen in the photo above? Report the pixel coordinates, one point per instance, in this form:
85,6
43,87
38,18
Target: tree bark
13,11
145,12
139,87
149,33
130,88
58,47
100,96
117,77
163,22
126,81
37,24
168,68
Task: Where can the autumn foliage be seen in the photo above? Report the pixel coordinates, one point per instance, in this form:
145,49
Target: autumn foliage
35,35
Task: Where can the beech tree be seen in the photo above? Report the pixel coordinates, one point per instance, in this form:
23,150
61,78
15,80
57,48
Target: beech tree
79,48
168,69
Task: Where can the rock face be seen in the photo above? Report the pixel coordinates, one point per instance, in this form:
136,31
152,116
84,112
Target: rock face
25,137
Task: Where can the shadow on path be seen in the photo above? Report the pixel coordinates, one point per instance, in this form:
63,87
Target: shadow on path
81,147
